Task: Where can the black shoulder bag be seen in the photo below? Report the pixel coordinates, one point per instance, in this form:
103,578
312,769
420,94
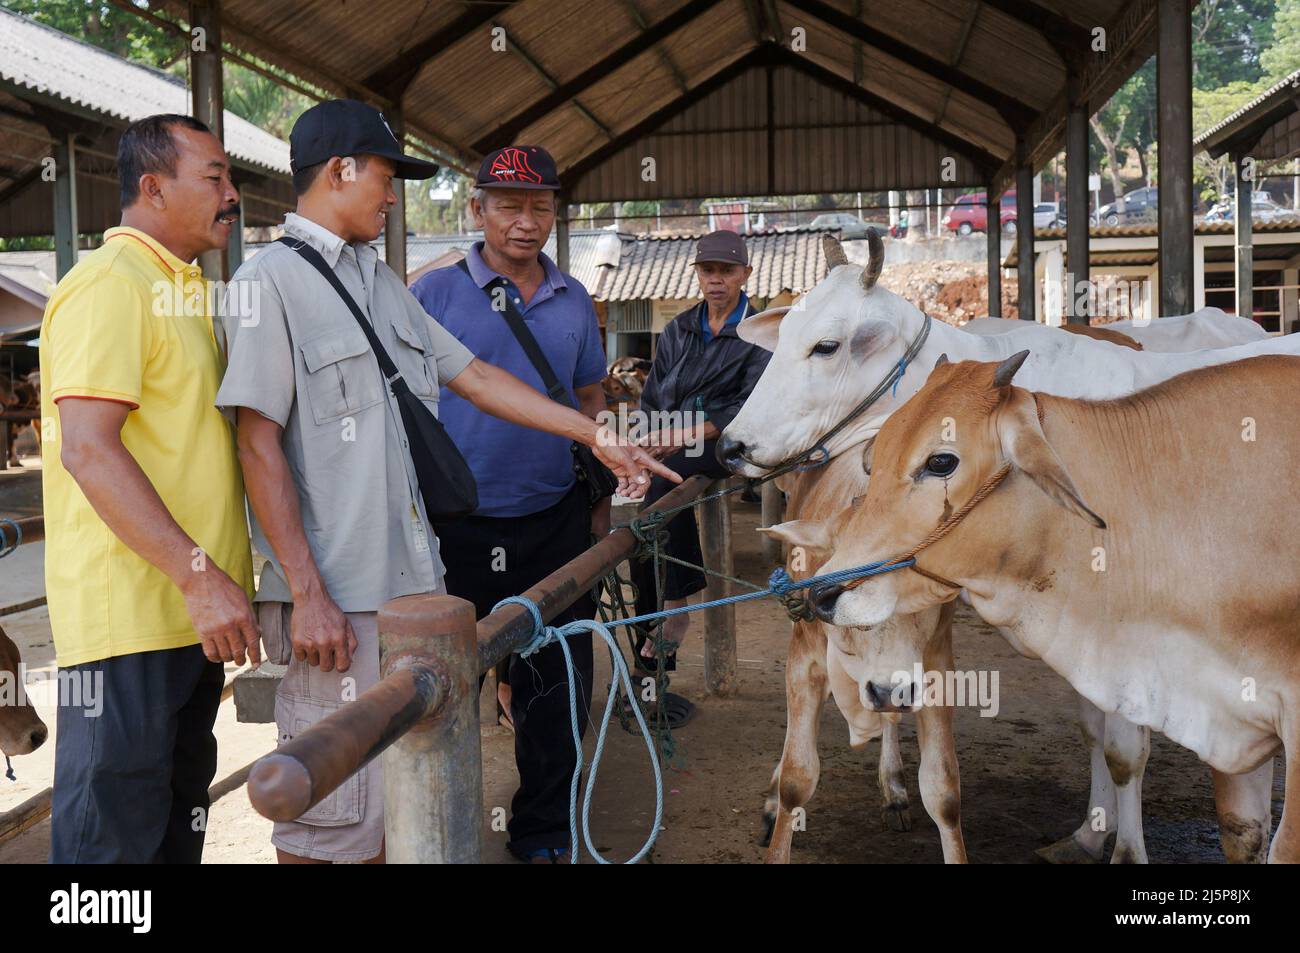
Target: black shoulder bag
599,481
446,482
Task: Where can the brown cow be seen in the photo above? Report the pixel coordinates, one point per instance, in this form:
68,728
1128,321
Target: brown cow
1177,611
21,729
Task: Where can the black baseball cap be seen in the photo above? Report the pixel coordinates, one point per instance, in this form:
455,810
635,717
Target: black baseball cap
347,127
518,167
722,245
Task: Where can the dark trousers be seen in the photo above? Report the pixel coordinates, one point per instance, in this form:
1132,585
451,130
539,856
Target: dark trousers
131,781
487,559
683,540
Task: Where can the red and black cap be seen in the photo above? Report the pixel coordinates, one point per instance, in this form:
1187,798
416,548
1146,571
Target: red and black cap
347,127
518,167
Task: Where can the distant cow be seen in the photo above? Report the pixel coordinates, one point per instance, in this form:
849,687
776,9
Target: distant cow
625,381
19,396
21,729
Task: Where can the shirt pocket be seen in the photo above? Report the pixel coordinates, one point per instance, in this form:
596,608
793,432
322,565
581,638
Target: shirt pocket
412,360
341,379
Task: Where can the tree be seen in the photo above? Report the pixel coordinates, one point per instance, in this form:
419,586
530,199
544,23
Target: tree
108,27
1283,57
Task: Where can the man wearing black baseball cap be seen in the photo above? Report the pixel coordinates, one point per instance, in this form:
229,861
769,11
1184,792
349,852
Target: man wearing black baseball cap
702,374
335,497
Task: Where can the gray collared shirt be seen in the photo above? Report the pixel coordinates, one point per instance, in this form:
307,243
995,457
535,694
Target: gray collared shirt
297,357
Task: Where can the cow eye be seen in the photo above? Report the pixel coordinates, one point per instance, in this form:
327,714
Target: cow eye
826,348
941,464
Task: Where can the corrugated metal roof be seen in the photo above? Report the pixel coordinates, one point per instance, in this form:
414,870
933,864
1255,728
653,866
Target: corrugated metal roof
41,59
661,268
1283,89
591,84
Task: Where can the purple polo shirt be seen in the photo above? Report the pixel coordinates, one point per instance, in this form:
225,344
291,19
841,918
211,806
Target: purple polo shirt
519,470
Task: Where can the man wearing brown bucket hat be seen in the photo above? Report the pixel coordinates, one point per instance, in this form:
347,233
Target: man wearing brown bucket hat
702,374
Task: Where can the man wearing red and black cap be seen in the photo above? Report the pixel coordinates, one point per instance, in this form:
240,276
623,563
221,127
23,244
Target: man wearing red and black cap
534,515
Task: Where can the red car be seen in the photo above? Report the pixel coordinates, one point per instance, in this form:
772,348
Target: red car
971,215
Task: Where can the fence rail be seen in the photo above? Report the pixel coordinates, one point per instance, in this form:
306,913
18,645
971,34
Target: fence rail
423,714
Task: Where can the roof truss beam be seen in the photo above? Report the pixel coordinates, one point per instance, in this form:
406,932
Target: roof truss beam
562,93
394,77
1015,113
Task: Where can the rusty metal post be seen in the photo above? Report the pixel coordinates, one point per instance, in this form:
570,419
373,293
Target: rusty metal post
720,621
433,774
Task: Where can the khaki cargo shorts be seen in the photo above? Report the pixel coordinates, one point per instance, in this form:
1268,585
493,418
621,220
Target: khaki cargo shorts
348,825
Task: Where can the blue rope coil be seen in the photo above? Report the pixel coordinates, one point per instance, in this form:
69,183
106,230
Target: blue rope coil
5,547
544,635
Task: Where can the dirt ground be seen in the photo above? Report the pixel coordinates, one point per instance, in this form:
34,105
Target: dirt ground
1024,773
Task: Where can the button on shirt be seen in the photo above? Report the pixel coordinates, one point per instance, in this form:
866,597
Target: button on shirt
519,470
298,357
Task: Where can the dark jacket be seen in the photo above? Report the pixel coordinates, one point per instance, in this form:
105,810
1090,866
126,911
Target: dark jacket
690,374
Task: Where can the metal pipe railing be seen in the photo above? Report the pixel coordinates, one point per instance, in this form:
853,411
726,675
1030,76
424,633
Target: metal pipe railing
423,713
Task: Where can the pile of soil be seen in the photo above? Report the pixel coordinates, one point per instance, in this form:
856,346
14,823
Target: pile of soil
953,291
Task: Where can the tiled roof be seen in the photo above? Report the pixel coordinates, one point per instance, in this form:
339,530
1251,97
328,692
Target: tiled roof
660,267
1278,89
36,57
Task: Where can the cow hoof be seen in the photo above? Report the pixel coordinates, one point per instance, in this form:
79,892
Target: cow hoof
896,817
1067,851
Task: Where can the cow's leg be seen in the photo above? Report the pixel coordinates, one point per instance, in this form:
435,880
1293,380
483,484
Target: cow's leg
894,809
1127,746
939,778
1244,805
1286,843
806,690
1087,844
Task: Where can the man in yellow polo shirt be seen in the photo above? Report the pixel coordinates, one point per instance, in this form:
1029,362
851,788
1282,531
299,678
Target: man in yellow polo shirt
147,564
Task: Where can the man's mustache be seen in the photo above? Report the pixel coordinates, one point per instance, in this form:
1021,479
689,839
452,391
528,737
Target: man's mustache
231,210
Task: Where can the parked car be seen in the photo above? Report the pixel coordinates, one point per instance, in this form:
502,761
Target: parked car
1139,205
969,214
1049,215
850,225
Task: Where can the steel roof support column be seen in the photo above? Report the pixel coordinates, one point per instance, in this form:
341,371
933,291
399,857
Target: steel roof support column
65,202
208,97
1174,133
1026,291
1078,309
1244,270
993,234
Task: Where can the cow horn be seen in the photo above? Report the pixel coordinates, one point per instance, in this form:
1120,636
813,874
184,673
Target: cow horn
1007,369
875,260
834,252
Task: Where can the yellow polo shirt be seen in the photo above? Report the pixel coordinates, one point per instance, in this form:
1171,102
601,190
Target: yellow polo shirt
120,326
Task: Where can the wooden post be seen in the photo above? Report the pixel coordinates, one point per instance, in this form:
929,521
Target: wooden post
208,97
65,202
719,622
1026,277
993,237
1174,237
1076,211
395,229
1244,268
561,232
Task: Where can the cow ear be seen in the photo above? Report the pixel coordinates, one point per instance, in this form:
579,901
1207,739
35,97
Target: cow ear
763,328
941,361
1026,446
812,535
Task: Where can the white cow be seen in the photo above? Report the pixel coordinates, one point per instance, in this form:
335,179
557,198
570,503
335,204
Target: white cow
1206,328
834,348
